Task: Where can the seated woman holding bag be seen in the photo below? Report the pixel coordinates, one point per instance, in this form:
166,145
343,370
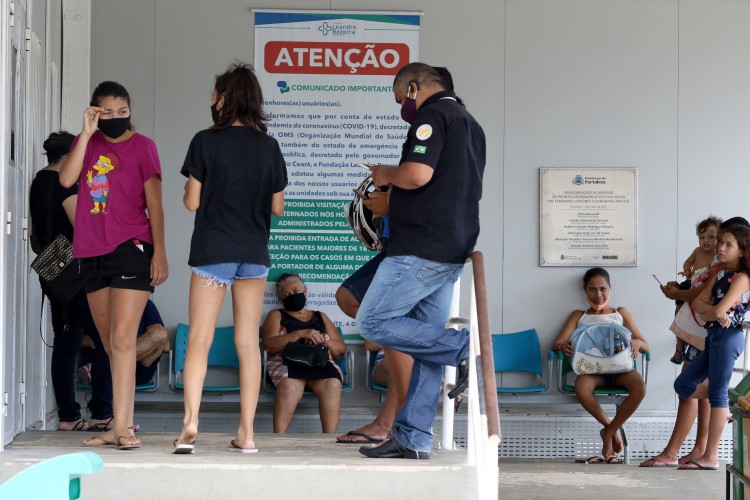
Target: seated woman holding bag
597,287
302,345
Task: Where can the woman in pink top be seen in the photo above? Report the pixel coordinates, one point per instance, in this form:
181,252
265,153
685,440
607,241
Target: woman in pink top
120,245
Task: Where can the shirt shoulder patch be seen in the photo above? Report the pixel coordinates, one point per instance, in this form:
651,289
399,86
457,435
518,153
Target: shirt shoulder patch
424,132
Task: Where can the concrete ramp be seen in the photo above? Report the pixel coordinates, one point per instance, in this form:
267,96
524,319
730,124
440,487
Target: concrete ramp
290,466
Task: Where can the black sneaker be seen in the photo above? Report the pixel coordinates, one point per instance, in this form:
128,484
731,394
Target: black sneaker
462,379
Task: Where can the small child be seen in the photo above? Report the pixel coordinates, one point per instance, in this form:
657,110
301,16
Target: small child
698,263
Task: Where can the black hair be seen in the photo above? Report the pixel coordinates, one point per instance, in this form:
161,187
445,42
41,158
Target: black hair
58,145
420,74
595,272
734,221
741,233
709,221
286,277
243,98
109,89
447,81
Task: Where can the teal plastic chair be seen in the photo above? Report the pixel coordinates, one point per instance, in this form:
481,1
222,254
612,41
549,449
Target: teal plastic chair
614,394
151,386
222,354
520,352
370,383
57,478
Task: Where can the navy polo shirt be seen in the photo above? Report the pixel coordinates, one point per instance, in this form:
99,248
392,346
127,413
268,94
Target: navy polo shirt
440,220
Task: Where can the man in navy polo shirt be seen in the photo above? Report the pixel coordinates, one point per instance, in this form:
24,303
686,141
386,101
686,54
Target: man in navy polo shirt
434,225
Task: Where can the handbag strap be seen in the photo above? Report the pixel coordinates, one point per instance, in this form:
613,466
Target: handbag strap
692,312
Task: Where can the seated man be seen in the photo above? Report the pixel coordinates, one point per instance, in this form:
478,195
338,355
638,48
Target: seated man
152,342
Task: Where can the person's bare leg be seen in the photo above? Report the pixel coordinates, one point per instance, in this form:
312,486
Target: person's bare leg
585,385
710,458
328,391
686,411
204,307
701,434
151,345
346,302
288,393
99,305
126,309
247,302
399,368
636,387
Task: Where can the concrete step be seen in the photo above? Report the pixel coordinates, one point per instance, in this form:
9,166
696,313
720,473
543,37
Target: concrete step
288,466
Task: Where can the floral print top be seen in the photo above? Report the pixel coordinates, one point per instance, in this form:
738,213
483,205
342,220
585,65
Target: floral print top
721,287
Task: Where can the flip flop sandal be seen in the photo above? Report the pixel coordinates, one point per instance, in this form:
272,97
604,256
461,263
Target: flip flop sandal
128,446
81,425
183,449
593,459
100,442
366,438
238,449
690,465
615,460
655,462
102,426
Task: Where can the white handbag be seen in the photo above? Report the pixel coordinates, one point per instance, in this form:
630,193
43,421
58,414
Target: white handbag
601,349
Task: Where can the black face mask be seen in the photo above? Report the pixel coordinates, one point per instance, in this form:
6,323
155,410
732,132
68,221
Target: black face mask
214,114
114,127
294,302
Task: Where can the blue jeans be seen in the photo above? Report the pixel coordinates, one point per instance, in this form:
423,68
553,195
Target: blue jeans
715,362
405,309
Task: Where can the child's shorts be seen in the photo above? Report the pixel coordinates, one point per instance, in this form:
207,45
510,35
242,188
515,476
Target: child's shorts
127,267
225,273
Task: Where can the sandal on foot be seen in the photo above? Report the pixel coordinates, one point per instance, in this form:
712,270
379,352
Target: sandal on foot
593,459
656,462
366,438
615,460
691,465
103,424
127,446
183,449
80,425
238,449
96,441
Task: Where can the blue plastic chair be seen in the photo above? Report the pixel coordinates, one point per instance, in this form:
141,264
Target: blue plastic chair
151,386
520,352
53,479
222,354
370,383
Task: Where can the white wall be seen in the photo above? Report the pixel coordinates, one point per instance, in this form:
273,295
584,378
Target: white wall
658,85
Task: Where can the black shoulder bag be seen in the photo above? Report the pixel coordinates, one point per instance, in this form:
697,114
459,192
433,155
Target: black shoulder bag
61,278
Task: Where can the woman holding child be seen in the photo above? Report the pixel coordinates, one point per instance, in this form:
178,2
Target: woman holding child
597,288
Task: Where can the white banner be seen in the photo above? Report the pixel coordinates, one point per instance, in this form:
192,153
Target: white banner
327,80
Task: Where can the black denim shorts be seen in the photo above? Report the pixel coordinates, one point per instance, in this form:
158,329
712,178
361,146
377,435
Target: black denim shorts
128,267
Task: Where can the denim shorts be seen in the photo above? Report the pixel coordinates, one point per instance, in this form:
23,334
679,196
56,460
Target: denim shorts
225,273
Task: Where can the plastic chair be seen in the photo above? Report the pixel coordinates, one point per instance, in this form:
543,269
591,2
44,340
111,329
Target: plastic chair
53,479
370,383
151,386
520,352
564,368
222,354
345,362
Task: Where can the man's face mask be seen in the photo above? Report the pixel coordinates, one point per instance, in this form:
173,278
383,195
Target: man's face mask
114,127
409,107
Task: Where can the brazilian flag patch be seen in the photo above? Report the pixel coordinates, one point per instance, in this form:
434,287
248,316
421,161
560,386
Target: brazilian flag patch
420,149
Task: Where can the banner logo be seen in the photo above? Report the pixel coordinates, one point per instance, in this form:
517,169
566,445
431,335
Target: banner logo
334,58
283,86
